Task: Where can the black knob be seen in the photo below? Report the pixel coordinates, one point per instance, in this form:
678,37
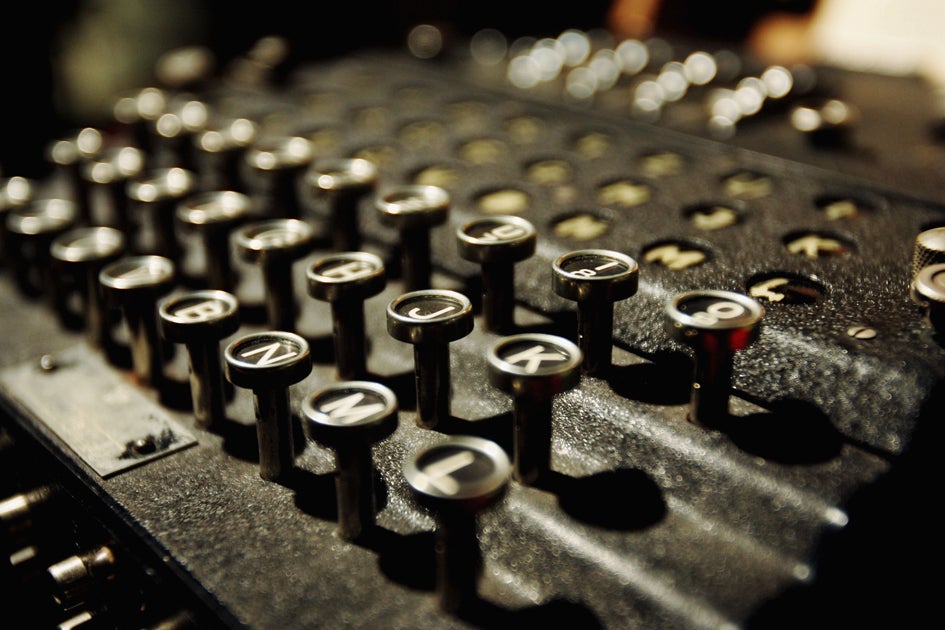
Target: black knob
30,230
341,184
134,285
108,176
346,280
81,254
157,194
413,211
275,245
268,363
430,320
929,290
349,417
201,320
497,243
533,368
214,215
277,163
595,279
715,324
457,479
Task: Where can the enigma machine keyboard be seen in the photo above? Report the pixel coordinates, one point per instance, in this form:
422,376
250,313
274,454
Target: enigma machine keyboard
406,342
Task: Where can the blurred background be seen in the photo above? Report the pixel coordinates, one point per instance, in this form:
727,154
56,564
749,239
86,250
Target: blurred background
64,61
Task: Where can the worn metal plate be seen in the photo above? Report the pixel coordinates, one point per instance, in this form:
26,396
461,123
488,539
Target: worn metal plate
107,421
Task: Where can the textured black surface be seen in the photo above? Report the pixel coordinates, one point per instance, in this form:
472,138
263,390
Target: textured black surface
803,506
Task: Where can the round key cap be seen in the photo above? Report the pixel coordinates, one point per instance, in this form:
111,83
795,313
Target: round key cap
497,243
342,183
533,368
349,417
277,163
346,280
595,279
201,320
30,229
458,478
134,285
413,211
82,253
929,290
214,215
268,363
715,324
430,320
111,172
157,194
274,245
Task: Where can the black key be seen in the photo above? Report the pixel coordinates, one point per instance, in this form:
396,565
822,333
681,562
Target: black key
429,320
533,368
342,184
268,363
413,211
349,417
214,215
157,193
595,279
715,324
275,245
30,230
277,164
346,280
81,254
458,478
497,243
201,320
134,285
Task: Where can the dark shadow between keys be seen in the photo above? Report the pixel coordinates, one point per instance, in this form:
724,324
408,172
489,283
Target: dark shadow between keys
404,386
174,393
410,560
792,432
322,348
242,441
666,380
239,440
314,493
625,499
870,573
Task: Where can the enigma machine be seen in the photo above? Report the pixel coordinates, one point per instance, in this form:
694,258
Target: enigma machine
479,332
